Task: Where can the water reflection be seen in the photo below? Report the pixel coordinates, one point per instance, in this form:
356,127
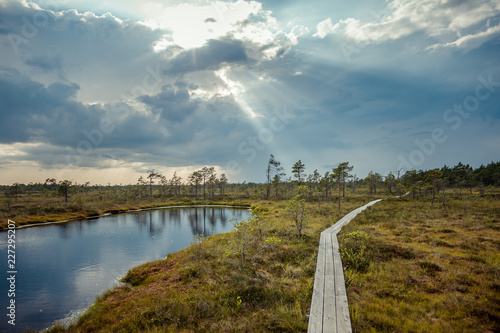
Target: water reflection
63,231
204,221
63,267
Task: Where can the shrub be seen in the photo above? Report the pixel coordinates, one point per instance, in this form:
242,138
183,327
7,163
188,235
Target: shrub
354,251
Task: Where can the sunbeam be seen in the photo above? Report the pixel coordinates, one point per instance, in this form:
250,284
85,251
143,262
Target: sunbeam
237,90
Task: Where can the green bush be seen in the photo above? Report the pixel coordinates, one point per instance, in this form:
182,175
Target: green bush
354,251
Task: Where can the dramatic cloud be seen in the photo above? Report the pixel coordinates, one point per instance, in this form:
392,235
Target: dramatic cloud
111,89
31,112
451,23
209,57
78,47
471,41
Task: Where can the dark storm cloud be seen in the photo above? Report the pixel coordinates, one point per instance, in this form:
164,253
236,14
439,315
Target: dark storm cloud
80,47
45,63
29,111
209,57
74,69
172,105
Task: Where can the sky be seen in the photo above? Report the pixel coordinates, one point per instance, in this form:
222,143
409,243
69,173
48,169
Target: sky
103,91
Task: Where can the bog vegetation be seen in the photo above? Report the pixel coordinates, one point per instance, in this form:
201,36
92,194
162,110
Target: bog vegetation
426,259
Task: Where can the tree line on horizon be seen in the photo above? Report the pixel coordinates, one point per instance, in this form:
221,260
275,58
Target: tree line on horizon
206,183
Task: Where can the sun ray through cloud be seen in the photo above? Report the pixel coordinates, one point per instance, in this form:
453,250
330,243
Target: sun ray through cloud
175,75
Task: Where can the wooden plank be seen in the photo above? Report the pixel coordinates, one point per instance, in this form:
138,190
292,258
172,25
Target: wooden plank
342,306
339,276
316,312
330,229
343,321
329,306
335,244
347,218
329,311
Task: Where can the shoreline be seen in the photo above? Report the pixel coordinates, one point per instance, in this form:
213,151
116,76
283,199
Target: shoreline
73,315
41,224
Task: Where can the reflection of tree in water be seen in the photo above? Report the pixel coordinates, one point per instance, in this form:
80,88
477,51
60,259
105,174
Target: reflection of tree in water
199,217
153,220
204,221
223,218
155,229
212,219
141,219
174,216
195,221
81,224
63,230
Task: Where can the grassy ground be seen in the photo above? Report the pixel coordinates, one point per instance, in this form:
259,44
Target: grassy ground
41,208
414,267
410,267
210,288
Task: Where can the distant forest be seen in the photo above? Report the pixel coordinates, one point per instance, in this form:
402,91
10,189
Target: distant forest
464,174
458,176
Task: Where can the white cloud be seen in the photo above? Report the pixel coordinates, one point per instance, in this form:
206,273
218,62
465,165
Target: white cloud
324,28
451,22
297,32
470,41
192,106
193,25
104,55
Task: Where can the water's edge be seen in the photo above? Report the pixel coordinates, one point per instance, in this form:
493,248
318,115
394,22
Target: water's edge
41,224
73,316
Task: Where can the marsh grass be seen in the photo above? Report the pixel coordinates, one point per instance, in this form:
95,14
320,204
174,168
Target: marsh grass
409,267
204,289
430,269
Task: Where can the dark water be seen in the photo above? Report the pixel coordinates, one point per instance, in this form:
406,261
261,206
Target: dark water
61,268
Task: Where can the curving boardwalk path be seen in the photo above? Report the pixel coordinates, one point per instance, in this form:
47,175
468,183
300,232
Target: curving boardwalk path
329,307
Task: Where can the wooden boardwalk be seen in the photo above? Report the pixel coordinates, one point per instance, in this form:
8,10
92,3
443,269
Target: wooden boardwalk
329,307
